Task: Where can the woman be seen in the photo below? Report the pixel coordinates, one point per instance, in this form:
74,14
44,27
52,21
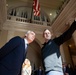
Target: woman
26,68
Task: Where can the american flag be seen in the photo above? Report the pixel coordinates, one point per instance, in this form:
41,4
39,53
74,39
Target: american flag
36,7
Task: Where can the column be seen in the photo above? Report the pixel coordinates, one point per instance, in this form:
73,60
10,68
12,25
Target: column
3,12
62,53
10,34
65,53
74,37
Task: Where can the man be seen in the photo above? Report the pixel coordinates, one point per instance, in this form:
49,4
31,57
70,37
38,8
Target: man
13,53
39,71
50,51
69,70
64,68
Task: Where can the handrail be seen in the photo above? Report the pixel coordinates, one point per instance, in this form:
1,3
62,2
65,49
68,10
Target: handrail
20,19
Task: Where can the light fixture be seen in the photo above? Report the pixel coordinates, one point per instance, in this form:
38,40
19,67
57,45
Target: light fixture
70,45
6,5
50,14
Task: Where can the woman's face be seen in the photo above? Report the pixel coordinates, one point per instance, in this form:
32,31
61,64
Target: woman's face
27,62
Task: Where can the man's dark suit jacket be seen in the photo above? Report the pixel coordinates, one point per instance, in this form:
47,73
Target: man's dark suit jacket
12,55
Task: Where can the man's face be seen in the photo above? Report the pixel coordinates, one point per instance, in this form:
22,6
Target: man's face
47,34
30,37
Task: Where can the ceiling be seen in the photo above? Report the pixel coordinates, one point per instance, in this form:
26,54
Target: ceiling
49,6
52,4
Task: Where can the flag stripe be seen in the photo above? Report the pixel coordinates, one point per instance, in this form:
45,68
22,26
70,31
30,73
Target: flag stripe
36,7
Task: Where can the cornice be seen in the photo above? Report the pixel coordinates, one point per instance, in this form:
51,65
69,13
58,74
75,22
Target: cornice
67,13
20,26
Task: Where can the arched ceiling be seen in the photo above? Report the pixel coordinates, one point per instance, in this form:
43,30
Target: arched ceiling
49,6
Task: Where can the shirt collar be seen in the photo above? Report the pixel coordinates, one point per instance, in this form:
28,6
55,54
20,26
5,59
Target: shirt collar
47,42
26,41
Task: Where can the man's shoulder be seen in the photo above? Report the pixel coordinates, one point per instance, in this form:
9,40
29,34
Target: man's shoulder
17,37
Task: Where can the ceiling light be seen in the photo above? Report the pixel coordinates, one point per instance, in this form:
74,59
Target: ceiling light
70,45
6,4
50,14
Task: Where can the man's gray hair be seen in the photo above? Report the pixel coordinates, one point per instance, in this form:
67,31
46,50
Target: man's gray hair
29,31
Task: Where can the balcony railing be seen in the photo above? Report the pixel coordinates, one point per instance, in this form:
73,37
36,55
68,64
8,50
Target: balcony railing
20,19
